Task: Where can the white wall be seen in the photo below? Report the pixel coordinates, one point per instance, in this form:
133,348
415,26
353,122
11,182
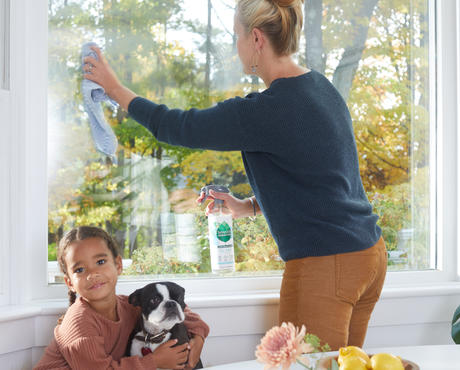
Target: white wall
401,318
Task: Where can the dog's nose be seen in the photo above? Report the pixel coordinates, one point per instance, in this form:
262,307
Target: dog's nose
170,304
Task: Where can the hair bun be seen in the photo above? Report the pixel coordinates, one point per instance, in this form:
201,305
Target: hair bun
286,3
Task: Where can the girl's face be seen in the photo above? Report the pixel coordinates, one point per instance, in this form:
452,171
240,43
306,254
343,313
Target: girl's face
92,270
244,45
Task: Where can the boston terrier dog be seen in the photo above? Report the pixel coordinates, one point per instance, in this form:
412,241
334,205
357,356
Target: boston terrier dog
162,318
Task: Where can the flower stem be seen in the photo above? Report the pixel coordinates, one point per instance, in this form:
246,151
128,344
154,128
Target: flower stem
305,366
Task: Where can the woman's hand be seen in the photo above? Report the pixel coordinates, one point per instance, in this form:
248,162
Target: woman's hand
196,346
101,73
238,207
168,357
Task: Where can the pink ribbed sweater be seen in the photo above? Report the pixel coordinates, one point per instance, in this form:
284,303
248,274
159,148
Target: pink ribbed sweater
87,340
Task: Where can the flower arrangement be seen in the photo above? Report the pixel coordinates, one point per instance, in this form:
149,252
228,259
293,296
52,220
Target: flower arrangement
284,345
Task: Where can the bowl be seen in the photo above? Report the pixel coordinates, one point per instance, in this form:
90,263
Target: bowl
325,363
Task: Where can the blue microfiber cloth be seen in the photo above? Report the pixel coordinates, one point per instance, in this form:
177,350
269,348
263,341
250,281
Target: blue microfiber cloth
93,94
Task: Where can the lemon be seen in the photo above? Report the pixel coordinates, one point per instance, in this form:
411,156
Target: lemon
352,351
386,361
353,363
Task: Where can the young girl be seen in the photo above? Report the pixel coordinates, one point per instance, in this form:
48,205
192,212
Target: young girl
95,330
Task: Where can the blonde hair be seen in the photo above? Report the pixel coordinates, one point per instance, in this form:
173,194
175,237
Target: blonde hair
280,20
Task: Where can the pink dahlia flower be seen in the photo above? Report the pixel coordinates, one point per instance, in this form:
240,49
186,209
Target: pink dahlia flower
281,346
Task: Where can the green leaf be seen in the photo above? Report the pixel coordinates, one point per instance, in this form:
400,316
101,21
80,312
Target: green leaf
334,365
315,342
456,326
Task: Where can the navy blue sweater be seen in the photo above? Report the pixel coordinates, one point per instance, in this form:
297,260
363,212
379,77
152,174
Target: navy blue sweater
300,156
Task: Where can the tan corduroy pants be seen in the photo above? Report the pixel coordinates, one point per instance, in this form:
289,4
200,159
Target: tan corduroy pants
333,296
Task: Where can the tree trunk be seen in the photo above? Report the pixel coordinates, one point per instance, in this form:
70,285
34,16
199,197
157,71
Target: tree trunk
345,71
207,78
314,54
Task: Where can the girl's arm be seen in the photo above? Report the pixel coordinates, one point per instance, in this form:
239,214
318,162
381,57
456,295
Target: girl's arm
194,324
199,330
90,353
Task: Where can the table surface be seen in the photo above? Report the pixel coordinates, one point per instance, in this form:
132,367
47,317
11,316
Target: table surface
439,357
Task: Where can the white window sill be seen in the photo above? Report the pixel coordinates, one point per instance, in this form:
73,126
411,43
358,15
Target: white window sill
253,298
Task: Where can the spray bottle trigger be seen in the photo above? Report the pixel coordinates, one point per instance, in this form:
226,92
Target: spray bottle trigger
216,188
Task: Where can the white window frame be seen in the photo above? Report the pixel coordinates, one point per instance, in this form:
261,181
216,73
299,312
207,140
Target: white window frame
28,168
4,196
4,43
5,98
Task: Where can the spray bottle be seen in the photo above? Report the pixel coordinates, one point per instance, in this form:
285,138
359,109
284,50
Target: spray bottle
220,225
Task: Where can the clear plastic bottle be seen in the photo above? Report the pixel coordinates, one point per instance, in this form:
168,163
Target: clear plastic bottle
220,225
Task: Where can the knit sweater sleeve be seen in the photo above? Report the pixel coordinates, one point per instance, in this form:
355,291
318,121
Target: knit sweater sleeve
194,324
89,353
226,126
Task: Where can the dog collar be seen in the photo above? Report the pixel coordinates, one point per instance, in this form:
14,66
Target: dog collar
152,338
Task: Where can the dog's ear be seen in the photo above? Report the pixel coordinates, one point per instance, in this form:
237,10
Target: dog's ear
135,298
177,293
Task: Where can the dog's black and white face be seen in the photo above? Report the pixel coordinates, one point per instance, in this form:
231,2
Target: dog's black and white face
162,305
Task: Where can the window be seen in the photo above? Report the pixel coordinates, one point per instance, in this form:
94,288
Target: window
379,55
4,44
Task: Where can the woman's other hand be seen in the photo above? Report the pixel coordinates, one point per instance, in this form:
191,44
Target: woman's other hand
238,207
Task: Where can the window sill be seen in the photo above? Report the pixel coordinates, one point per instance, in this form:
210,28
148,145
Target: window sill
421,290
235,299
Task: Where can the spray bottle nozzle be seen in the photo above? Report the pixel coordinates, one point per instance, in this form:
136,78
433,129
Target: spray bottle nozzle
216,188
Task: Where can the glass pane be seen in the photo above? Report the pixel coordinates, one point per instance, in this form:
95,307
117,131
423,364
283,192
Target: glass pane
4,44
374,51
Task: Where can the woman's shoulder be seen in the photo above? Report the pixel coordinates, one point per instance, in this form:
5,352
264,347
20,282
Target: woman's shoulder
311,77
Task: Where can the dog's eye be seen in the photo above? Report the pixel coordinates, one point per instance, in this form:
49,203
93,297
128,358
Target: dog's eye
156,300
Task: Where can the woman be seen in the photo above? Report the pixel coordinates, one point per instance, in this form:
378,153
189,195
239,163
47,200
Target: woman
299,152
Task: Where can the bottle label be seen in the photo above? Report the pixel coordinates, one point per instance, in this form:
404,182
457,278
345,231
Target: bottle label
223,232
221,243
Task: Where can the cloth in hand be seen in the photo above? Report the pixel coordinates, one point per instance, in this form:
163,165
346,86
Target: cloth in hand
93,94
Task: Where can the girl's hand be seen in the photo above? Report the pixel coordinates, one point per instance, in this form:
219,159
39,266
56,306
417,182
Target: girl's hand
237,207
196,346
168,357
101,72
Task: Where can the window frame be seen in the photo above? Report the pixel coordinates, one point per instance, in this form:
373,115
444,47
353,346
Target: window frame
27,167
5,97
5,48
4,197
